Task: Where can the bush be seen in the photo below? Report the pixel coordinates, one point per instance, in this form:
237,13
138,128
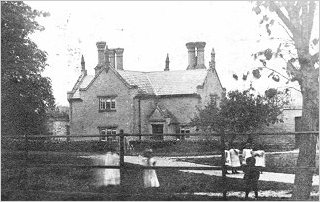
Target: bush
176,146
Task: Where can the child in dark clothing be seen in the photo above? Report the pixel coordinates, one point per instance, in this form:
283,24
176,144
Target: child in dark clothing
251,176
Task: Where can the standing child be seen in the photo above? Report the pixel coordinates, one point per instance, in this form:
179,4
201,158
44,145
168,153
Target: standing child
111,176
227,157
251,177
235,160
150,178
259,155
246,152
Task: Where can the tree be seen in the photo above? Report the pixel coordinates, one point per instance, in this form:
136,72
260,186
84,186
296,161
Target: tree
241,112
25,94
302,66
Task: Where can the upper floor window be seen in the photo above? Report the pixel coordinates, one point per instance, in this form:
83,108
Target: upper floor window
107,103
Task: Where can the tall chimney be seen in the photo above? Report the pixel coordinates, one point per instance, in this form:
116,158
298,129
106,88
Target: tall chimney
119,53
200,55
101,47
191,55
167,63
106,56
111,53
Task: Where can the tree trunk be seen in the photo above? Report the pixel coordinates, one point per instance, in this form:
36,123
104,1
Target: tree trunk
307,148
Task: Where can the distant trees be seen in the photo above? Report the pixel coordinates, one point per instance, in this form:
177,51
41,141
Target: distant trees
25,94
241,112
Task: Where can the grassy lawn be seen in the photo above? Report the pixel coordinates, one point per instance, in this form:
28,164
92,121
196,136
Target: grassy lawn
71,183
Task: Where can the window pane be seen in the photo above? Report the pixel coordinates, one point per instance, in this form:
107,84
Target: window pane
107,105
113,104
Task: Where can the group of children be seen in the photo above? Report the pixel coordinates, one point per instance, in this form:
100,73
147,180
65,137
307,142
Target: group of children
253,159
111,177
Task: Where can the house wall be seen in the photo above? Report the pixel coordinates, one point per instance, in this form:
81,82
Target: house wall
211,86
183,109
86,116
288,125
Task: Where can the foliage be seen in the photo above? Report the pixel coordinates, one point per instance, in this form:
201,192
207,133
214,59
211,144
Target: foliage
26,95
57,113
301,56
241,111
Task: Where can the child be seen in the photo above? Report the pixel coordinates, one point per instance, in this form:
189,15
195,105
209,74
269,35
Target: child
235,160
251,177
150,178
259,155
111,176
227,157
246,152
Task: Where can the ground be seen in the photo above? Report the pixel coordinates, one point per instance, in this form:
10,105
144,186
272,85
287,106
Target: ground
66,183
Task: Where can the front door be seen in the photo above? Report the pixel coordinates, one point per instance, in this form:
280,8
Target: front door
157,129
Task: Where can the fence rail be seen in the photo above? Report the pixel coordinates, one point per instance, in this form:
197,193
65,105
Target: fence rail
122,166
169,134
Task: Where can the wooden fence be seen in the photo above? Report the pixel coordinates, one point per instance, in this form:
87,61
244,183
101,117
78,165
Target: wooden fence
123,167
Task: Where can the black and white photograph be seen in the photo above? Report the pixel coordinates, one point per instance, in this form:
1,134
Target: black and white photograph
160,100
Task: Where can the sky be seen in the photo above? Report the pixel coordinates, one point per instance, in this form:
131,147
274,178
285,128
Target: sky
148,31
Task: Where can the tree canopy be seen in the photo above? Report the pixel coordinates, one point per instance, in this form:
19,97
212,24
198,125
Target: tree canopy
241,112
25,93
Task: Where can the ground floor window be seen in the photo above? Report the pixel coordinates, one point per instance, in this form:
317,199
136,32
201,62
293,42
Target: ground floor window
184,130
108,134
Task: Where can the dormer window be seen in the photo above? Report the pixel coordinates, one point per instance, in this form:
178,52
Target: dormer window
107,103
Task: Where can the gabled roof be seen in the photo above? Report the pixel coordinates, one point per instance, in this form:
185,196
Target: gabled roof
166,82
181,82
160,114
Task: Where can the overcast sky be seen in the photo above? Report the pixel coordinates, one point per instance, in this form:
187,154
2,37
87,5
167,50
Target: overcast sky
148,31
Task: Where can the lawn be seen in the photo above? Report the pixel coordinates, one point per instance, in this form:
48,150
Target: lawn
77,184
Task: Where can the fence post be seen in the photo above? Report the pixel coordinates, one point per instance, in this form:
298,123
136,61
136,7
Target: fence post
223,166
25,185
121,157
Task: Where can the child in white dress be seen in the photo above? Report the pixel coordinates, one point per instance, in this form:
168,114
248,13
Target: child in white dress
106,177
111,176
234,158
246,153
150,178
227,157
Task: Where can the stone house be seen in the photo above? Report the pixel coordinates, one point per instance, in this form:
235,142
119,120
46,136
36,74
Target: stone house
159,102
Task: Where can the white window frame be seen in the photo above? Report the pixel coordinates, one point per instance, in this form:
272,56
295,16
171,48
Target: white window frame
109,134
185,130
107,103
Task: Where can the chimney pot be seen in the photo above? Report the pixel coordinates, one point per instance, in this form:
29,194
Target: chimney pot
112,59
101,47
200,55
191,55
213,59
119,53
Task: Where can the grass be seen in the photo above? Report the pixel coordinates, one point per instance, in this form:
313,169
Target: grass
77,184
